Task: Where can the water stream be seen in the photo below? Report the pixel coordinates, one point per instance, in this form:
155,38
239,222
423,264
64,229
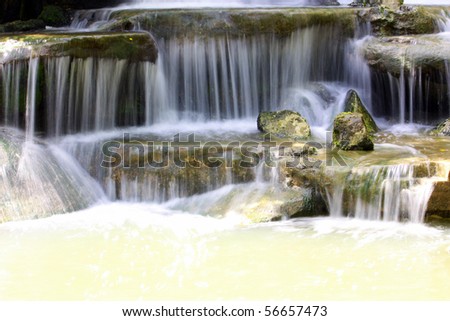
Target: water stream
186,233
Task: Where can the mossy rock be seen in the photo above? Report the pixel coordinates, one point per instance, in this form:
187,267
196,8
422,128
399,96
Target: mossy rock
284,124
385,21
443,129
54,16
22,26
281,22
132,46
350,132
353,104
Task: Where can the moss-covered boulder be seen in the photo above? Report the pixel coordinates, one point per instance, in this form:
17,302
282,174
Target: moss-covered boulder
350,132
54,16
386,21
353,104
284,124
443,129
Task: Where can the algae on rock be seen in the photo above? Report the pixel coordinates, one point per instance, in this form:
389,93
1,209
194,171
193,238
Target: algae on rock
354,104
284,124
350,132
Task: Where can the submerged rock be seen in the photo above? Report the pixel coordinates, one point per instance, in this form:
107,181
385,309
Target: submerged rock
443,129
353,104
284,124
350,132
35,182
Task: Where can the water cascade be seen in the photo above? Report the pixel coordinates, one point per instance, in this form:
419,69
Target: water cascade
389,193
82,101
139,124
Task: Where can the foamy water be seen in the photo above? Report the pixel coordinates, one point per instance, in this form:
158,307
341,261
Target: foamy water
144,251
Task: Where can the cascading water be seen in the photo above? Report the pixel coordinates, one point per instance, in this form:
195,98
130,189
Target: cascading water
168,233
389,193
196,79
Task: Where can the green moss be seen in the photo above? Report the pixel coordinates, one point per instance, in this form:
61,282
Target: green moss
236,22
354,104
350,132
130,46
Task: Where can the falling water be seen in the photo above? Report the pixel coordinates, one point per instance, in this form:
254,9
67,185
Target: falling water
389,193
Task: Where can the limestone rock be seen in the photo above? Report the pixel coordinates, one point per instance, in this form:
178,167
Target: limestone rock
350,132
284,124
443,129
354,104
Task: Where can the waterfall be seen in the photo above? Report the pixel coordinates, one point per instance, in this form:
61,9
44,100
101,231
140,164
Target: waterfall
389,193
444,22
193,79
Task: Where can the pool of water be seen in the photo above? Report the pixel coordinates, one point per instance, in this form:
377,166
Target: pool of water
131,251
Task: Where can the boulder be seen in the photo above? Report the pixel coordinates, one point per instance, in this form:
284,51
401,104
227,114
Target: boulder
353,104
350,132
284,124
443,129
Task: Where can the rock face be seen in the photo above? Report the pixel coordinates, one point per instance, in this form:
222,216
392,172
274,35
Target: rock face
350,132
394,54
353,104
230,22
443,129
439,203
284,124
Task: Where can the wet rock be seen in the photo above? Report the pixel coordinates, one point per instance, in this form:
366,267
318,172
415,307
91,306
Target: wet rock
131,46
439,203
350,132
281,22
364,3
443,129
284,124
36,183
353,104
407,53
322,91
386,21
